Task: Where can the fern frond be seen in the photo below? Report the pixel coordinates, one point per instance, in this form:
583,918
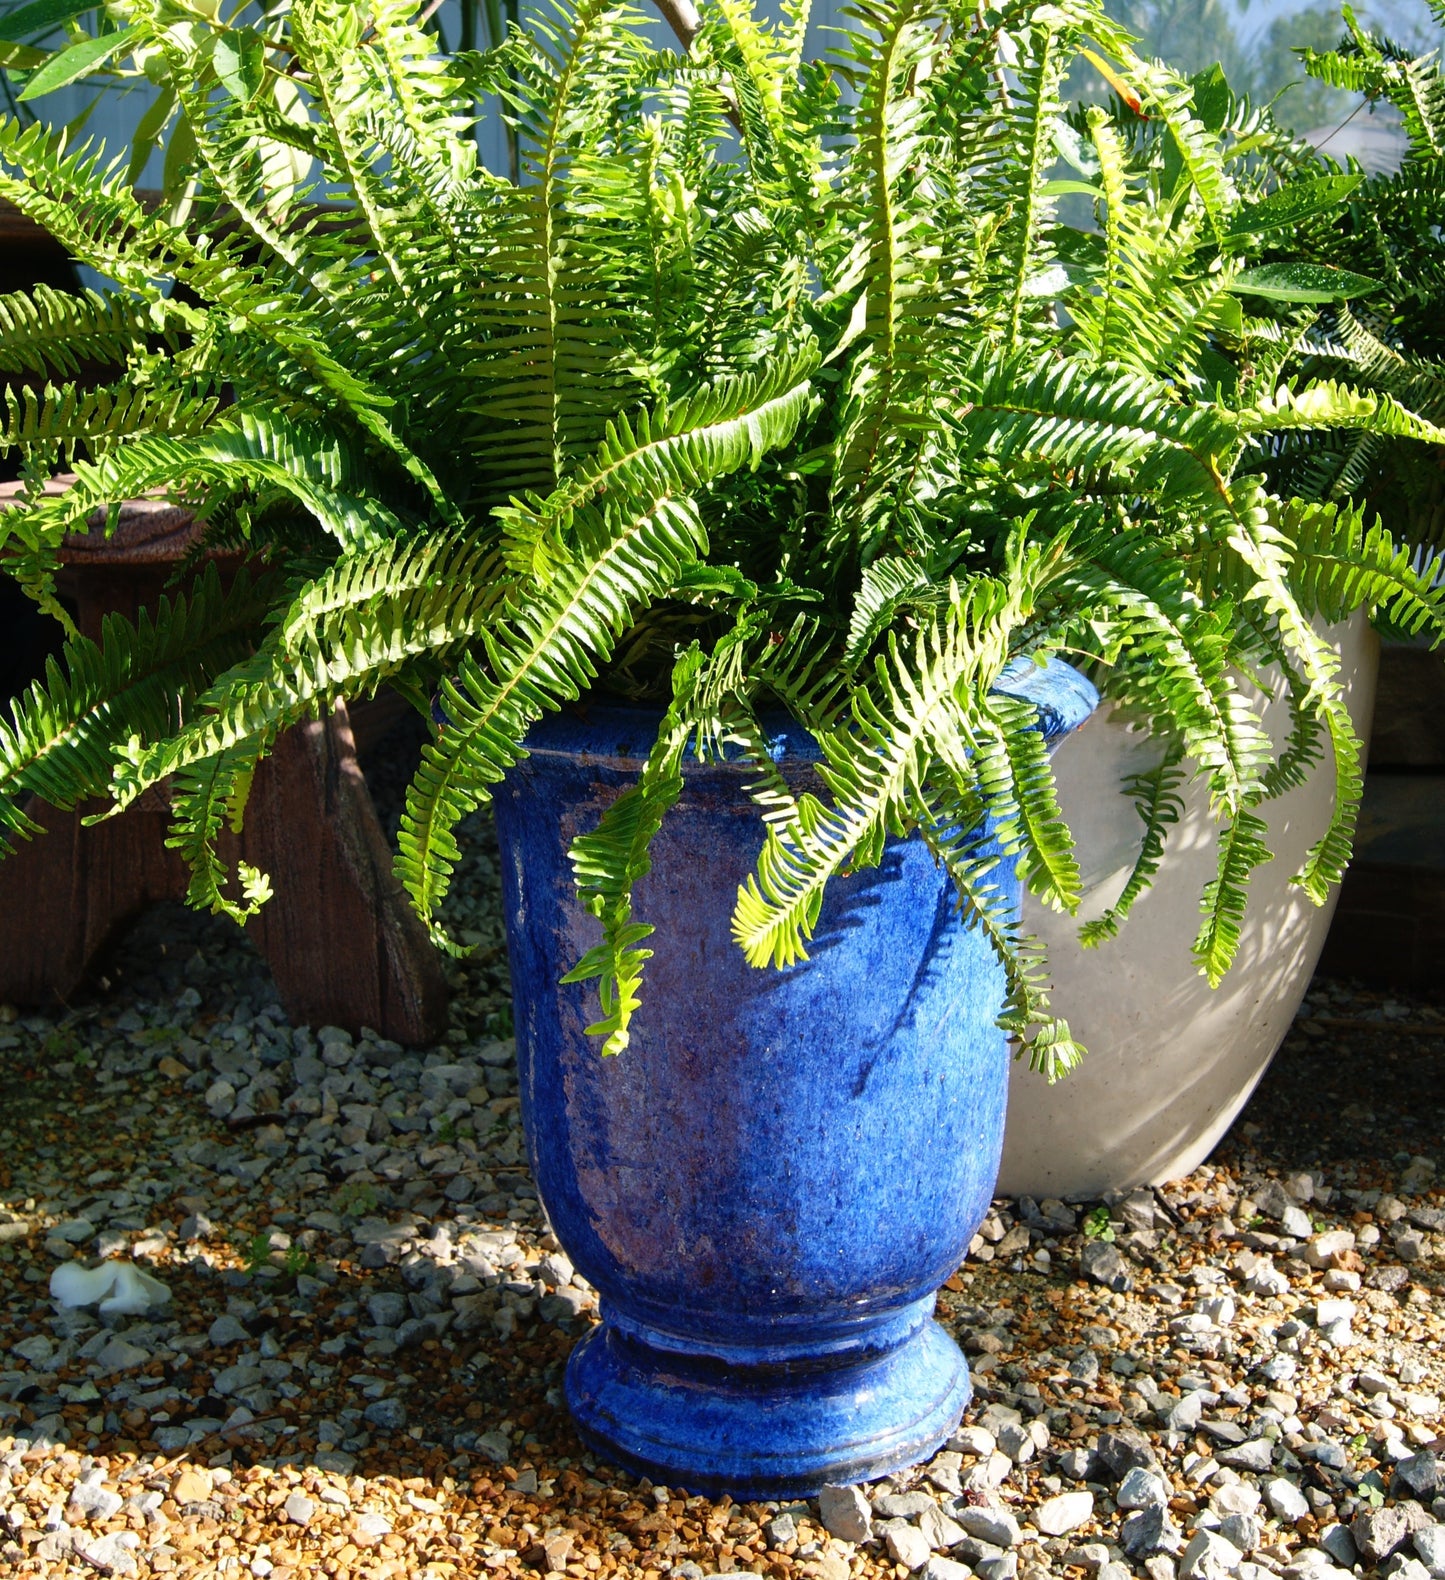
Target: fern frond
1171,97
1338,565
540,656
58,426
875,764
1012,765
671,451
1039,106
1155,794
988,904
205,798
141,680
1263,547
888,585
608,862
1241,850
1326,404
313,466
45,331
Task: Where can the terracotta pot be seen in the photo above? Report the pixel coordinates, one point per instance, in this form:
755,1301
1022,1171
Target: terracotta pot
1171,1062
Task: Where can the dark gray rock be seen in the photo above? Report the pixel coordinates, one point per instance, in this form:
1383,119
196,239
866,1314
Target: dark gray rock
227,1330
1340,1545
1148,1532
902,1505
1105,1264
387,1310
1124,1448
1420,1476
388,1414
1256,1455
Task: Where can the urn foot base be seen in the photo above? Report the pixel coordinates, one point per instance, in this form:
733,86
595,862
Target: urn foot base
765,1432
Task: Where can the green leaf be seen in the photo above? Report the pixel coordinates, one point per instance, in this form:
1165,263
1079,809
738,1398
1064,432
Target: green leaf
69,65
180,157
148,130
240,61
1063,187
43,16
1212,98
1285,209
21,57
1302,282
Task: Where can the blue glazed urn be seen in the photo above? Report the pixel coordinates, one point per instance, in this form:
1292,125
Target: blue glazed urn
768,1187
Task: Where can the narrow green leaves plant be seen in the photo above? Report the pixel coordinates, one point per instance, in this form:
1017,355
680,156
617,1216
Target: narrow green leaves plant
770,384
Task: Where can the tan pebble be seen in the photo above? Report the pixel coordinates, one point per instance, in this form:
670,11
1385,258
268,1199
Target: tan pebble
193,1485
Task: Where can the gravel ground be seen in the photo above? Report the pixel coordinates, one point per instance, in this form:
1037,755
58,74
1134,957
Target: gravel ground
358,1369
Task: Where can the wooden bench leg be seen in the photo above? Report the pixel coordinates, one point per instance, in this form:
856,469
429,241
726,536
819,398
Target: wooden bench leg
339,935
66,894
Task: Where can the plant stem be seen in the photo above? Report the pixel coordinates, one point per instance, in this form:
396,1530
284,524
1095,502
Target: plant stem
682,17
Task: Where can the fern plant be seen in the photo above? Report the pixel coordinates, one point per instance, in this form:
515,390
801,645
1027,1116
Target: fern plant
1392,343
773,382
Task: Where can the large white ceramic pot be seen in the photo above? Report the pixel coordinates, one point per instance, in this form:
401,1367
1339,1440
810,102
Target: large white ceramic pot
1171,1062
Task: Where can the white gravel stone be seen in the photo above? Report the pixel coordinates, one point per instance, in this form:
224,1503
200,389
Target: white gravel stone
1185,1415
113,1553
90,1501
1235,1497
1286,1500
367,1529
1208,1556
1430,1546
1265,1278
997,1526
976,1440
938,1530
555,1269
906,1544
1324,1248
1309,1563
845,1513
1141,1489
299,1509
1066,1512
1295,1221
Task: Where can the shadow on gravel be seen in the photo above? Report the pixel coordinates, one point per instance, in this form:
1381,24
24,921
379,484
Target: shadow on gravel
1360,1079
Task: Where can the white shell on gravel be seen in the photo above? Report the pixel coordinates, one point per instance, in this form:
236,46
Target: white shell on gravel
120,1288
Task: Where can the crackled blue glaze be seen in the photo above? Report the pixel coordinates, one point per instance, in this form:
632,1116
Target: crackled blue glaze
769,1185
